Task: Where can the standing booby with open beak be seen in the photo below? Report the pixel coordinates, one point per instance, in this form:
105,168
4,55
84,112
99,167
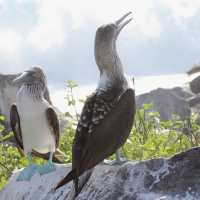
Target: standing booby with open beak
108,114
34,123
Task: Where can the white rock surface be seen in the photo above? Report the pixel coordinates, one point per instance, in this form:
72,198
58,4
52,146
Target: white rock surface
175,178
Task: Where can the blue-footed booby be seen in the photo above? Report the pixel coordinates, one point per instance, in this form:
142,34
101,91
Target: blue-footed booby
34,123
108,113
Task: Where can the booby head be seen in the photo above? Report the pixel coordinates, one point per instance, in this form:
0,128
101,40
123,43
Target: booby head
105,43
32,75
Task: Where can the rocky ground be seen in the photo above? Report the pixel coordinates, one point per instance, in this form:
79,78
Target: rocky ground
174,178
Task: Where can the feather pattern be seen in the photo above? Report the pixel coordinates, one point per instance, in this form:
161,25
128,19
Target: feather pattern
97,141
108,114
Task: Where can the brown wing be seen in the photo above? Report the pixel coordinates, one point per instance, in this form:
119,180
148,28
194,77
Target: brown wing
111,133
54,123
82,129
102,138
15,125
96,139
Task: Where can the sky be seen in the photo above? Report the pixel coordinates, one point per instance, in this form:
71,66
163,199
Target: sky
58,35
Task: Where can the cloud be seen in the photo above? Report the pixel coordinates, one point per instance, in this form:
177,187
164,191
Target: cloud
3,4
22,1
181,9
162,38
145,21
49,30
11,43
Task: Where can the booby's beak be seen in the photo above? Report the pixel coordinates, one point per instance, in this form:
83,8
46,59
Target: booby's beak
26,77
121,26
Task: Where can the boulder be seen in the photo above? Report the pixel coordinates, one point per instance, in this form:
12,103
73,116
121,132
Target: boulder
194,101
195,85
174,178
194,69
166,103
8,96
183,92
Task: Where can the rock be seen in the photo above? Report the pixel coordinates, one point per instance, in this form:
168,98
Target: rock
183,92
195,85
194,101
8,96
195,69
166,103
174,178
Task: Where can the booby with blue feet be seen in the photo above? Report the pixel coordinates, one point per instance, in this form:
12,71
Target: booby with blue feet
34,123
108,114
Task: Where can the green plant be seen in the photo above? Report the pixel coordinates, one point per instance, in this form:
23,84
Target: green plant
151,139
7,157
70,97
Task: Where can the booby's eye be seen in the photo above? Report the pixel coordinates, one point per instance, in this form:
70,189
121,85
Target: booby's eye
31,72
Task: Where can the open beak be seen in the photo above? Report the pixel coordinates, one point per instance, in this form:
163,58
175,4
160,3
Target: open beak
26,77
121,26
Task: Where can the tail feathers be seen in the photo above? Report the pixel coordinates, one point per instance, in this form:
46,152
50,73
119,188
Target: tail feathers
69,177
79,183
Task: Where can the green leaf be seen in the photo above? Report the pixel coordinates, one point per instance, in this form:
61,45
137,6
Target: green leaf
2,118
166,124
147,106
71,124
177,126
179,122
82,100
69,80
67,114
155,114
145,155
73,102
75,85
8,136
139,114
148,145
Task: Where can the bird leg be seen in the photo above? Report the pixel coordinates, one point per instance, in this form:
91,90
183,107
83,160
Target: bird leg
48,167
28,172
118,161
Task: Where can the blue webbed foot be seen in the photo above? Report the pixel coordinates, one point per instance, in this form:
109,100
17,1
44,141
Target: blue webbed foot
27,173
46,168
118,160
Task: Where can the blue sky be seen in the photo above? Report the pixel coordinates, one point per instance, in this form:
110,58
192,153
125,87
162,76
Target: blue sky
162,39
